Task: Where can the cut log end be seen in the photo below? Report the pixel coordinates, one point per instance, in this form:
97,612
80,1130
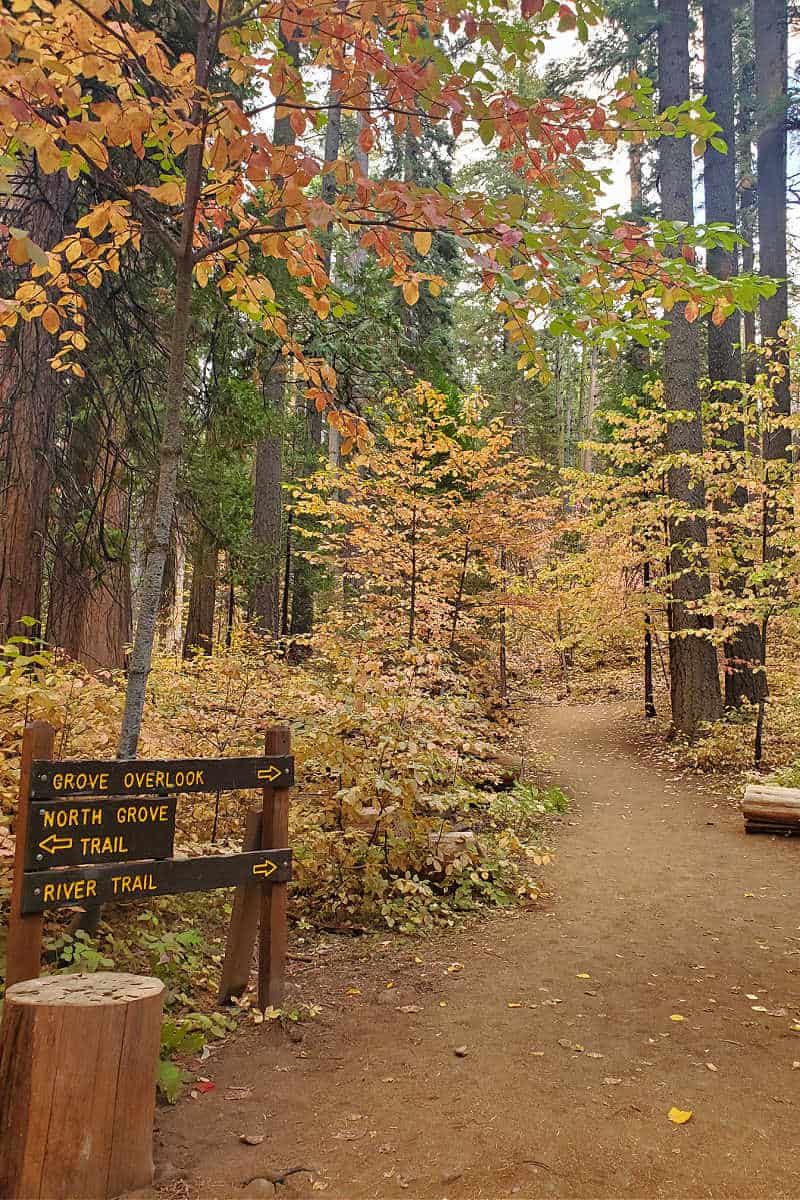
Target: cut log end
78,1057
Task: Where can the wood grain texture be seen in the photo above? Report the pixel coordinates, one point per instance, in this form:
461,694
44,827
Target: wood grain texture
273,931
24,945
243,928
78,1056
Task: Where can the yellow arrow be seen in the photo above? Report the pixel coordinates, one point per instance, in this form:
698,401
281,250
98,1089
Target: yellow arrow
52,844
265,868
269,773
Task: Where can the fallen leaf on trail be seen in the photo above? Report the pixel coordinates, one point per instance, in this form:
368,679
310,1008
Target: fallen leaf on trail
568,1045
442,1004
711,1067
410,1008
677,1017
391,984
540,1054
583,975
417,958
515,1004
456,966
679,1116
204,1085
252,1139
353,992
319,1186
758,1008
751,996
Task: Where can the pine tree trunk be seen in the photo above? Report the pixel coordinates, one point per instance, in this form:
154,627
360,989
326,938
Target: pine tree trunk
770,32
267,514
268,498
30,393
743,647
694,675
89,611
202,596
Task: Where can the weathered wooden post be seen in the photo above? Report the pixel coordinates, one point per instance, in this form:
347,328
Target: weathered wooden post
24,946
78,1057
273,933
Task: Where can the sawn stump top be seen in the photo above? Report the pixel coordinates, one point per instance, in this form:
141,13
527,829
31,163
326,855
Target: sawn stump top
101,987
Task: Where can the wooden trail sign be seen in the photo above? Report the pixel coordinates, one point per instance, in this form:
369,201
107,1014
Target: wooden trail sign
63,833
90,833
137,881
148,777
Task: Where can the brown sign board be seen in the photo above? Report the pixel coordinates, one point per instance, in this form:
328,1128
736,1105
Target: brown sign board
143,777
114,882
63,833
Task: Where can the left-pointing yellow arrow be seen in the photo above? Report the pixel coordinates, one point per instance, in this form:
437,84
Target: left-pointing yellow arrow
53,844
265,868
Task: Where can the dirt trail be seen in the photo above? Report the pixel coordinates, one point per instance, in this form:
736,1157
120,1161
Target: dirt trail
667,906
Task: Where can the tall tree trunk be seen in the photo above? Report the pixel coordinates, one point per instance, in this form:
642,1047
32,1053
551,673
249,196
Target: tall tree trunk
267,514
172,423
694,675
770,34
333,143
30,392
591,405
89,609
302,616
268,499
742,648
202,596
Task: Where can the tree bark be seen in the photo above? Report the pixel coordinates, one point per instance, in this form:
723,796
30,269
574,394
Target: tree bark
202,596
694,675
268,500
743,647
267,514
770,34
30,392
89,609
172,426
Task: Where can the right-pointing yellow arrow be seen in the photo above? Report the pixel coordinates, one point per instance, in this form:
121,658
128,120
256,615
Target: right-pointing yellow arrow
265,868
269,773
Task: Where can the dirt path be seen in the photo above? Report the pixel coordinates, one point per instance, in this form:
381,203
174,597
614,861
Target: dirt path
666,907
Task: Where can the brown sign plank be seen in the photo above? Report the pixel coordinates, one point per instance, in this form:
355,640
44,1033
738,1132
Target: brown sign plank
115,882
147,777
64,833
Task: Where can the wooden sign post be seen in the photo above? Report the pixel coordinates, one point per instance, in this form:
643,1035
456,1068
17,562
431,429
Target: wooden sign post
259,912
24,946
89,833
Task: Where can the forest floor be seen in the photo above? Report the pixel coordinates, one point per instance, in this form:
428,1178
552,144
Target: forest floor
572,1053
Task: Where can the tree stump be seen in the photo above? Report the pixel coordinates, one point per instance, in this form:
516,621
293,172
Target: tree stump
78,1056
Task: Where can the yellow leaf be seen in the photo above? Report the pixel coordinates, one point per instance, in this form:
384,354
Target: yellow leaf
677,1017
514,1004
410,292
422,241
679,1116
583,975
50,320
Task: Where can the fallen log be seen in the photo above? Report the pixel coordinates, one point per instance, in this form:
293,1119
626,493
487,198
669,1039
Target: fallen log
767,804
765,827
